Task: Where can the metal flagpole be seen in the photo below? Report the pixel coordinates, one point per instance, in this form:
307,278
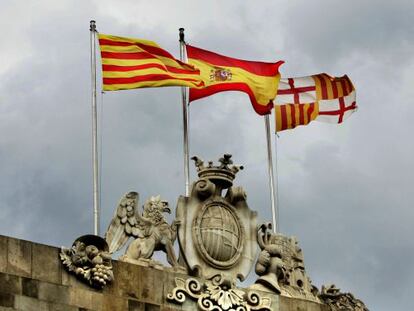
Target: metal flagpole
96,230
271,177
185,119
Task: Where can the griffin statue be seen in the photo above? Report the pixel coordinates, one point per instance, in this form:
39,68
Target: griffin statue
150,230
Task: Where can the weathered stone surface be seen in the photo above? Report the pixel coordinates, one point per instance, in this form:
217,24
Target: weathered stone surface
127,282
111,303
61,307
135,305
54,293
30,287
85,299
152,307
151,287
10,284
45,267
30,304
19,257
7,300
3,253
292,304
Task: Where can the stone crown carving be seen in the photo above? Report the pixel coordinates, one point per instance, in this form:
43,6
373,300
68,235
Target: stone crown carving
224,173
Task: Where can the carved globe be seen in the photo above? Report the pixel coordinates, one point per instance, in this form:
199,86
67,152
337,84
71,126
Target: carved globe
219,235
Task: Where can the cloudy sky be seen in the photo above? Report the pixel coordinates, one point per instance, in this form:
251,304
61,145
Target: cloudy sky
344,190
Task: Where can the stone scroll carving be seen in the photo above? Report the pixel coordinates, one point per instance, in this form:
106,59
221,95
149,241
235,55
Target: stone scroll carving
218,294
150,229
337,301
89,260
280,266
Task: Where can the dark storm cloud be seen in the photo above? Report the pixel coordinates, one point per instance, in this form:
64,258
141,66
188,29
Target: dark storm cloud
344,190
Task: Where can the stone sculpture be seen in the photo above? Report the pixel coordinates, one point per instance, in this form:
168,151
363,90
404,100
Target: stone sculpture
89,259
218,240
150,231
337,301
218,232
280,266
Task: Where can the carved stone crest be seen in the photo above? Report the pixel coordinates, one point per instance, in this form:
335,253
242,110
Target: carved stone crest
217,234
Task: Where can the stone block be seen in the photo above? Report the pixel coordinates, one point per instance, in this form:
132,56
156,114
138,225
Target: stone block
127,282
19,257
168,308
10,284
152,287
135,305
30,287
54,293
30,304
46,264
292,304
152,307
61,307
7,300
69,279
87,299
3,253
111,303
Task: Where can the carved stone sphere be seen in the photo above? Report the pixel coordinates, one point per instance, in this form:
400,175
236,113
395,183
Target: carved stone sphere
220,235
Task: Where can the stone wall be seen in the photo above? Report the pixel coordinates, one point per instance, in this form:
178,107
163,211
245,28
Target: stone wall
32,278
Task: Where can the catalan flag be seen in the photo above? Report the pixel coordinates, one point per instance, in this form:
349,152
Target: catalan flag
319,97
129,63
221,73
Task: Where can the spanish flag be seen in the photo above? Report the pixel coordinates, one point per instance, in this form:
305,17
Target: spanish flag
318,97
221,73
129,63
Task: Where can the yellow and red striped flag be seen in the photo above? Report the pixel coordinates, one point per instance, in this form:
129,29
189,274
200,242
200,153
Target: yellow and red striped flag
221,73
129,63
318,97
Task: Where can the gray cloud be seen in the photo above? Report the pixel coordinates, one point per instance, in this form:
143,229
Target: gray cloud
344,191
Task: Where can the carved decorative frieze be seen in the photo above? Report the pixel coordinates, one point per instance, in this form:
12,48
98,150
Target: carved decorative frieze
89,260
218,294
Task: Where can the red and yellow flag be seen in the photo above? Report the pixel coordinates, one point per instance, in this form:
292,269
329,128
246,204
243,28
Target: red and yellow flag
289,116
129,63
221,73
318,97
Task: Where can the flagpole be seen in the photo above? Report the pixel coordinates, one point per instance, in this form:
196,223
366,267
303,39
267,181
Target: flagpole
92,29
270,169
185,119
